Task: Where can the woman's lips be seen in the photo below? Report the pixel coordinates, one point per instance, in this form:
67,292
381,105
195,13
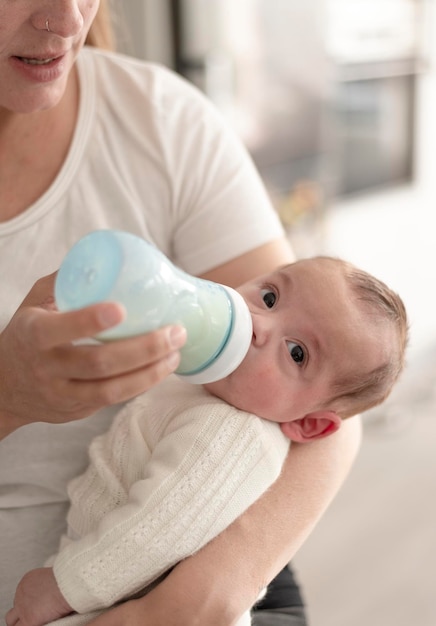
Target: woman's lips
40,69
31,61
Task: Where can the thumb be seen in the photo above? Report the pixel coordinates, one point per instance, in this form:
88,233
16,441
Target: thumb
42,293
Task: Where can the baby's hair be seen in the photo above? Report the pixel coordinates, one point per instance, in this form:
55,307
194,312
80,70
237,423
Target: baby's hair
360,392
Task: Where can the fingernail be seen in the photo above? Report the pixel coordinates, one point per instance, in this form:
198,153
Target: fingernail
110,315
177,336
173,360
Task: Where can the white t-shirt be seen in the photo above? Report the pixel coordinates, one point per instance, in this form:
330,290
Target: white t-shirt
151,156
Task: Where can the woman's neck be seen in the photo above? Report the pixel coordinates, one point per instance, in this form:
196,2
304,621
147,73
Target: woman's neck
33,148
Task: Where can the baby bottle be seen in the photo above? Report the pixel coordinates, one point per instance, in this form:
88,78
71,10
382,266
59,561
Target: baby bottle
111,265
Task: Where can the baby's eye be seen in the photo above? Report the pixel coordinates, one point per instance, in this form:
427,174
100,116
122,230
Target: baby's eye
297,353
269,297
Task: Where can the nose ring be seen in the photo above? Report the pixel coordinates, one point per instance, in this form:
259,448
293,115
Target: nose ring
47,27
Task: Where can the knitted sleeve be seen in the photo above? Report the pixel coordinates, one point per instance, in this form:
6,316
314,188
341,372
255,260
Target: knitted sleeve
202,474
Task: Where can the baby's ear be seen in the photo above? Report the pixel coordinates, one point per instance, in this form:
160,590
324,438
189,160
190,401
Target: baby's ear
312,426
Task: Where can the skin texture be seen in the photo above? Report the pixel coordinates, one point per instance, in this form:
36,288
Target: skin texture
41,368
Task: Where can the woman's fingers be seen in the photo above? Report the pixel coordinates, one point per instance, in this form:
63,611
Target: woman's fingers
121,388
117,358
47,374
49,329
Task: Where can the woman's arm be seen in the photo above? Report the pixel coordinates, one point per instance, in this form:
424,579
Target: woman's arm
216,585
259,261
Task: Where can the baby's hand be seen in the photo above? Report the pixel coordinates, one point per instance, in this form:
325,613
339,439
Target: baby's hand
38,600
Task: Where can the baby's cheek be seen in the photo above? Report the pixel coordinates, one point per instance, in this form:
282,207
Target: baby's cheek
264,388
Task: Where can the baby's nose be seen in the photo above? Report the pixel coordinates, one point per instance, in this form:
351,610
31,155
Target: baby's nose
261,330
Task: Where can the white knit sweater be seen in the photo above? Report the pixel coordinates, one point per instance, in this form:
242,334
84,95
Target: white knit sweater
176,468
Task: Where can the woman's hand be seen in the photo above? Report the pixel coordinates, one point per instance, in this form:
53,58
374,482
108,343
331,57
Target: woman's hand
45,377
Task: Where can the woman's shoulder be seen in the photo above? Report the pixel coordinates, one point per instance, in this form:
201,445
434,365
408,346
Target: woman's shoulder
132,76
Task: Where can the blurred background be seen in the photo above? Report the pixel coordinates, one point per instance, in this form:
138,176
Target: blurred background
336,101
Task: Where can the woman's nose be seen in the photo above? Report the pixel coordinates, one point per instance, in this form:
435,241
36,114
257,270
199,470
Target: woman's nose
62,18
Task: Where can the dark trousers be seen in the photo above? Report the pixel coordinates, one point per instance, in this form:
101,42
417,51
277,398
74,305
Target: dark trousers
283,603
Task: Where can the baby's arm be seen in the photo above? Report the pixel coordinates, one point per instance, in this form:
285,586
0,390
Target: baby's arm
38,599
201,476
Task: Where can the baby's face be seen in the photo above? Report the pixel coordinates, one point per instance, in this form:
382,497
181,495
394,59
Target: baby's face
307,332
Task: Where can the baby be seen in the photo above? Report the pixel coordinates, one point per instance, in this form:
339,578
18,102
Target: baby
181,462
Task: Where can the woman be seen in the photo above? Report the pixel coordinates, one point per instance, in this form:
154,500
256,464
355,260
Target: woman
93,140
